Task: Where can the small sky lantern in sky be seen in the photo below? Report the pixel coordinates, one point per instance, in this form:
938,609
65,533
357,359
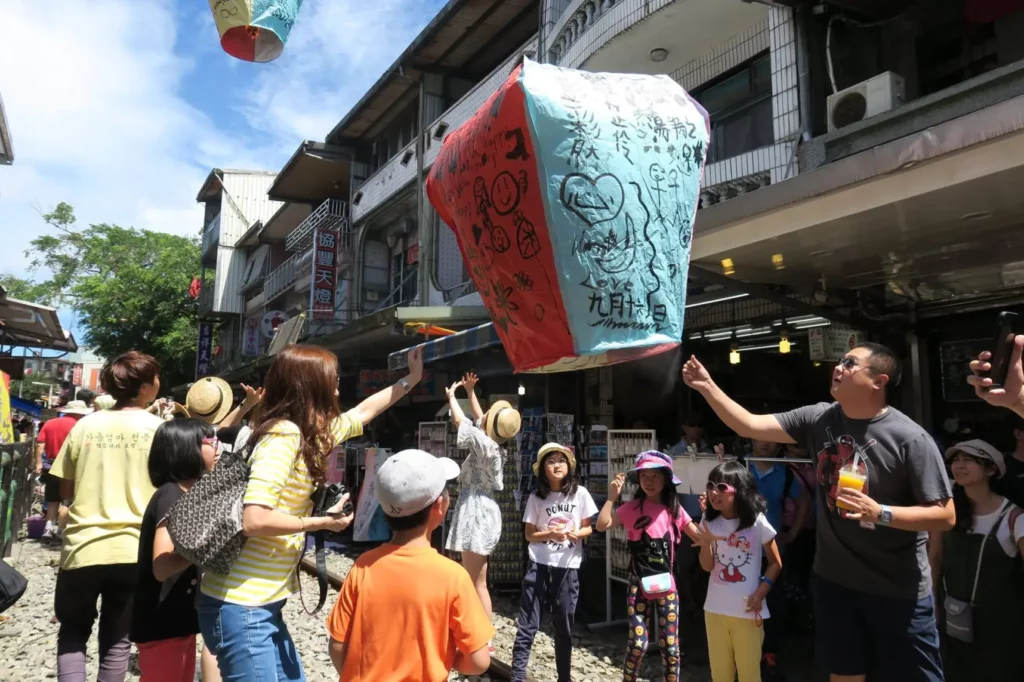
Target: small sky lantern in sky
254,30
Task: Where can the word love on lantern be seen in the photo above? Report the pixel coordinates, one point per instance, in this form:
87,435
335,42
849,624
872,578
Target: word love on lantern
254,30
572,196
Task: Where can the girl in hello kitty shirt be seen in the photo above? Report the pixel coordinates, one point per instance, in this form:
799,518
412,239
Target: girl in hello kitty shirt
735,537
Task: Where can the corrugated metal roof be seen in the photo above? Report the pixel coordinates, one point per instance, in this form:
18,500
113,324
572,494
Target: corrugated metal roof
245,202
467,37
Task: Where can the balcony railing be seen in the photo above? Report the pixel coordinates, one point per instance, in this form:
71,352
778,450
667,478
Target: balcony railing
211,235
577,18
331,215
285,276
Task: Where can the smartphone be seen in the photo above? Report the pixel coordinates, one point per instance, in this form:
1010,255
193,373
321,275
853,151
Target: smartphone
1002,347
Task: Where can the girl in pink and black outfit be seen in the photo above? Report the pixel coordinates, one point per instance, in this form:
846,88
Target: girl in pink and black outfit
654,523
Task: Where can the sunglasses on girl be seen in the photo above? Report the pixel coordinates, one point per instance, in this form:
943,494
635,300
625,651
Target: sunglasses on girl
722,488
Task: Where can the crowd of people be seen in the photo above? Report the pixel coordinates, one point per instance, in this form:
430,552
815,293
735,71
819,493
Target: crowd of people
912,555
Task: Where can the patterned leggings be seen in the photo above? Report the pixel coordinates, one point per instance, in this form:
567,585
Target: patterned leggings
640,610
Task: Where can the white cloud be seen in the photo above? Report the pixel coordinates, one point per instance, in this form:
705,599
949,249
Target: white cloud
90,90
94,91
337,50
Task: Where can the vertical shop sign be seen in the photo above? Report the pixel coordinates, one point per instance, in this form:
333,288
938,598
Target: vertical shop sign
251,337
205,350
325,275
76,375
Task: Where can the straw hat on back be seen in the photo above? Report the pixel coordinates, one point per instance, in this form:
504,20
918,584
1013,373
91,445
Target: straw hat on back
502,422
209,399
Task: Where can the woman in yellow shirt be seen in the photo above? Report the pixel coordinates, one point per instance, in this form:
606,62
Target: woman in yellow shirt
300,423
104,471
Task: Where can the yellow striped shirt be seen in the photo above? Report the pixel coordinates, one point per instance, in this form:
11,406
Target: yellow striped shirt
265,570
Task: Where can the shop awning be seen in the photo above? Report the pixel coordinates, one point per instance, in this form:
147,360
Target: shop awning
32,326
287,334
26,406
484,336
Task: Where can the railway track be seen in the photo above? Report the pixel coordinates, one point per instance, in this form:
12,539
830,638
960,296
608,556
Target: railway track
499,670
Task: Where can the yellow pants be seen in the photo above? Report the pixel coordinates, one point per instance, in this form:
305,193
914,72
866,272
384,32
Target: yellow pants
734,648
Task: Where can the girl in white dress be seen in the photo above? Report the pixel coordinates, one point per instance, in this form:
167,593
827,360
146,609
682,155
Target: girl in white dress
476,524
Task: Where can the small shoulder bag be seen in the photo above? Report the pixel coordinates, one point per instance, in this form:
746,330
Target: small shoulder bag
959,613
652,560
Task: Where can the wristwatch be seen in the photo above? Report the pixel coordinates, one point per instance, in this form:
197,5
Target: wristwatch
885,516
404,384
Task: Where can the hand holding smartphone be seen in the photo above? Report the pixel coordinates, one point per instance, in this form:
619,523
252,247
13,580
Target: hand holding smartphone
1007,328
998,375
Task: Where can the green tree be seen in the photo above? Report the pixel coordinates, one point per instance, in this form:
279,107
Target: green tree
128,286
34,388
25,289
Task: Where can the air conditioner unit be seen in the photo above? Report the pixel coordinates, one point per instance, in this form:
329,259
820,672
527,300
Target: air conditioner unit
874,96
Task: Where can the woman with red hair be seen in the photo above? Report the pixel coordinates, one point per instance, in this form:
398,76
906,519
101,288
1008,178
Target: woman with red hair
299,424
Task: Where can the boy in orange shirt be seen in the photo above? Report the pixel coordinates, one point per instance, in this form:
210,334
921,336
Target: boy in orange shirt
406,613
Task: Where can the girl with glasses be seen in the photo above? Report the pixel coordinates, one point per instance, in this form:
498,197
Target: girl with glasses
164,620
735,537
557,518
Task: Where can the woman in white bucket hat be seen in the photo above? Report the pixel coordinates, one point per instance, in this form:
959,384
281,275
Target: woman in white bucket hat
476,524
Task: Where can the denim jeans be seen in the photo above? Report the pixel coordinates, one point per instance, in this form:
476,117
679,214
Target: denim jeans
251,643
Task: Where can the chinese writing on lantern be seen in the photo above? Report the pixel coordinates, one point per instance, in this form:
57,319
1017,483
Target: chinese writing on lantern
325,275
205,350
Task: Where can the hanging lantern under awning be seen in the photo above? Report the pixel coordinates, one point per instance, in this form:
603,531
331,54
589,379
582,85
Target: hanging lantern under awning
254,30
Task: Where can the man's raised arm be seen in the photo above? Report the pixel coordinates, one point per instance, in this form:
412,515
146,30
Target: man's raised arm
755,426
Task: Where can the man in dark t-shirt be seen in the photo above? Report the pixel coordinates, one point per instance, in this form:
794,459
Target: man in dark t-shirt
872,595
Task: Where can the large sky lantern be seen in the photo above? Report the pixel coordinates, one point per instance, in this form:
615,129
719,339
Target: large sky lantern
572,196
254,30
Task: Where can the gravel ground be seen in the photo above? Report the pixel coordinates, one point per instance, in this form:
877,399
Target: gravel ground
28,640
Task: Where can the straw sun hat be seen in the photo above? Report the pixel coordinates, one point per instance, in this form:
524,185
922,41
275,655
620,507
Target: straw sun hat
76,407
549,448
502,422
209,399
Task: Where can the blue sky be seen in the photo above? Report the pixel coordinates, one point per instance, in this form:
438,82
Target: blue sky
122,107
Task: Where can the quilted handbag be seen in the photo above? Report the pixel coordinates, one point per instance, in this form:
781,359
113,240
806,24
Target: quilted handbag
206,523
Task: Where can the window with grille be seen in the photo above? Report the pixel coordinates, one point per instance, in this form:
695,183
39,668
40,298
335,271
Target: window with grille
739,104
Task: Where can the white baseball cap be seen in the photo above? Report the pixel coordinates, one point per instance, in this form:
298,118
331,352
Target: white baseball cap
409,481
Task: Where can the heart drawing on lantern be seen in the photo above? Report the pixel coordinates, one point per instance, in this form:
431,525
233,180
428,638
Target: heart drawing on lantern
594,200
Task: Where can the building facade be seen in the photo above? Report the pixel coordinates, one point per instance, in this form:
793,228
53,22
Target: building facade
236,206
853,179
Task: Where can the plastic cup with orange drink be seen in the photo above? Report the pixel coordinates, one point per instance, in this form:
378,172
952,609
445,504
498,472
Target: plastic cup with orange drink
851,476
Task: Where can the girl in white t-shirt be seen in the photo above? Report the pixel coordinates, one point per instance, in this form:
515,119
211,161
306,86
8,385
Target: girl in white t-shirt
557,518
735,537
